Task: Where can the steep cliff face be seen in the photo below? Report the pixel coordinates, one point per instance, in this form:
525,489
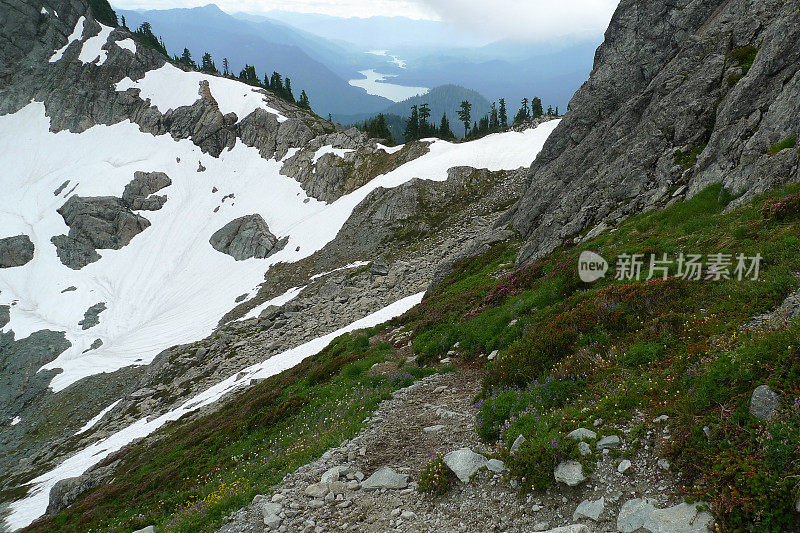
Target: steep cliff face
682,94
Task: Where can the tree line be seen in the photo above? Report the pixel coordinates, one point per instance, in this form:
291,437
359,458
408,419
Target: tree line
277,83
497,118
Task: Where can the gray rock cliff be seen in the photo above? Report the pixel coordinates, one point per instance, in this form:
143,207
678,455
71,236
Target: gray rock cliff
682,95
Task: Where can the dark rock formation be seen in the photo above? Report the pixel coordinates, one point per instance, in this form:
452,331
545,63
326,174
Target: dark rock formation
66,491
139,193
15,251
102,222
245,238
5,315
92,316
682,95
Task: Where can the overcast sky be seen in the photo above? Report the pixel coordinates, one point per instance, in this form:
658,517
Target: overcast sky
545,19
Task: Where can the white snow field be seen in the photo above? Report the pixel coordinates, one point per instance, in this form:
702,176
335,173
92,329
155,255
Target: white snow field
169,286
28,509
93,422
92,49
169,87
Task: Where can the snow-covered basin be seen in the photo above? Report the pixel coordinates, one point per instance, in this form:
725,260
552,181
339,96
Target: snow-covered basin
169,286
24,511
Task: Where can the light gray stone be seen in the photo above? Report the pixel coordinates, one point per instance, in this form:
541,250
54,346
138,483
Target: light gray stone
570,473
623,466
464,463
331,475
764,402
681,518
633,515
590,509
495,465
317,490
385,478
574,528
584,448
582,434
612,441
518,442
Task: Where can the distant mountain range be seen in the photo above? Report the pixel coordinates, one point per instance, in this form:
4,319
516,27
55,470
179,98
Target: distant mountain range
443,99
314,64
321,54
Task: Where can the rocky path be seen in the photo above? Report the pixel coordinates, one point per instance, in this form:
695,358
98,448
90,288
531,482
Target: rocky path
369,484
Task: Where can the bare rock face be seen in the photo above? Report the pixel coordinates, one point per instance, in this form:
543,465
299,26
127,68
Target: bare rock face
15,251
139,193
682,95
247,237
102,222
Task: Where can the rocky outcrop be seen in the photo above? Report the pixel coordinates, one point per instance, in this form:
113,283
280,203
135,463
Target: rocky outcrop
5,315
327,176
66,491
139,194
15,251
92,316
682,95
95,223
247,237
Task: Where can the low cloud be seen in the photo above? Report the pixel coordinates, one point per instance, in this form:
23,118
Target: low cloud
533,20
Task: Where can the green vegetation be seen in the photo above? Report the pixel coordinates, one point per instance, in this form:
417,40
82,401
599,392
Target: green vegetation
791,142
199,471
688,159
572,352
436,478
743,58
103,12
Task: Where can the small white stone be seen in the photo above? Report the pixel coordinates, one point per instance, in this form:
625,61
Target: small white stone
623,466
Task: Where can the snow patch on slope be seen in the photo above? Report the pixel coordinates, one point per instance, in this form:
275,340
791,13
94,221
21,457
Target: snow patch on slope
93,422
169,87
286,297
77,34
92,50
338,152
28,509
127,44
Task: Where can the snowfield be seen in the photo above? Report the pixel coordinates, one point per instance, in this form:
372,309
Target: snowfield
28,509
169,286
169,87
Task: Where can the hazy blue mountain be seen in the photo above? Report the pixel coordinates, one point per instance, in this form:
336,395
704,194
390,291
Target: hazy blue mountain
375,32
314,64
443,99
506,69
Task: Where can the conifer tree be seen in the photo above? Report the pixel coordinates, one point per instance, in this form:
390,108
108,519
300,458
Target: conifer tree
207,64
503,115
444,129
425,128
412,132
303,101
494,121
124,24
287,90
465,115
536,107
549,110
557,111
226,68
524,112
186,59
